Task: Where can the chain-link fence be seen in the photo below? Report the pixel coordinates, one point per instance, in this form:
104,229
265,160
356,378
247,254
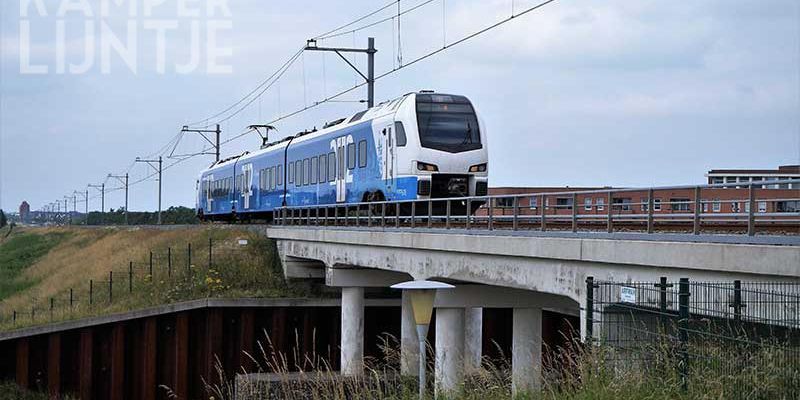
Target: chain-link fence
743,337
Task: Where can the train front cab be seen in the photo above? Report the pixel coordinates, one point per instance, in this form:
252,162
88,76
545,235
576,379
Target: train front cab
449,154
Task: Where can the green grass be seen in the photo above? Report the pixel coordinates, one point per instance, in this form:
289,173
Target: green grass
10,391
19,252
237,271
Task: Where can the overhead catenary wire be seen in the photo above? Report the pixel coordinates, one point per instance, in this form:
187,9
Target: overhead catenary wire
414,61
378,22
274,79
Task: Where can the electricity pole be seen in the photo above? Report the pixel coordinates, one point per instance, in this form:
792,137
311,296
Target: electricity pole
152,164
66,209
202,133
124,180
86,201
102,188
311,45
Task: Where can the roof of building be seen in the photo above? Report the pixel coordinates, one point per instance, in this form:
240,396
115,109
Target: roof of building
783,169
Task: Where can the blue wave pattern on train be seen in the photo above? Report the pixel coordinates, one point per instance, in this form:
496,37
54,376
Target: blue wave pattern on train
419,146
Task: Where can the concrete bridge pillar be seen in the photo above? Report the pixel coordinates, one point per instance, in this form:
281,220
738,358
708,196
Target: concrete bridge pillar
409,344
352,331
526,350
473,338
449,369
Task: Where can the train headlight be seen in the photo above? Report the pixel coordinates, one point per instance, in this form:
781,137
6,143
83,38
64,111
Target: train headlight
478,168
426,167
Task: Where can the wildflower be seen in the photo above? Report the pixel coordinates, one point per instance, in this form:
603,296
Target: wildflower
219,281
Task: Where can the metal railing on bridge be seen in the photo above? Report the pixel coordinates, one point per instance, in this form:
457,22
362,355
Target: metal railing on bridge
734,207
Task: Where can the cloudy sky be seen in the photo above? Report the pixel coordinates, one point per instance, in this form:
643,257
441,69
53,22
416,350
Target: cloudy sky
578,93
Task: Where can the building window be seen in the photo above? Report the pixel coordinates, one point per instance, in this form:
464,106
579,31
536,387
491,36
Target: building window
362,154
716,206
564,203
679,204
747,206
351,156
656,204
645,204
587,204
622,204
504,202
601,203
762,206
787,206
534,203
735,207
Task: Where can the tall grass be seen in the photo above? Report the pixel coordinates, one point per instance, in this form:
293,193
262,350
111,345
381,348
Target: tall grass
18,253
573,372
236,271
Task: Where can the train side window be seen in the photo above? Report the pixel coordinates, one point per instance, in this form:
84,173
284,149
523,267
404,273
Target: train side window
351,155
262,180
323,168
274,175
399,134
291,172
280,175
306,174
331,167
271,178
298,173
362,154
314,170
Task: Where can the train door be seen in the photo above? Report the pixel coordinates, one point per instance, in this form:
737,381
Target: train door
247,185
208,189
339,145
389,165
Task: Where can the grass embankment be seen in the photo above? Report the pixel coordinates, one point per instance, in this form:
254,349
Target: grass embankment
37,265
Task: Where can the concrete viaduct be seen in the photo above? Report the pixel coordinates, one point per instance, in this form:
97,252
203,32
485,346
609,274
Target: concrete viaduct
527,271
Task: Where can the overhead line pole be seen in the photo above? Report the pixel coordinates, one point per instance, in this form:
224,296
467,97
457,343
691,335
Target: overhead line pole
202,133
311,45
102,188
86,204
124,180
152,163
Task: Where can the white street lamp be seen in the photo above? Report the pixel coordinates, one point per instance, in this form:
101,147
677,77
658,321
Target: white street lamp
422,294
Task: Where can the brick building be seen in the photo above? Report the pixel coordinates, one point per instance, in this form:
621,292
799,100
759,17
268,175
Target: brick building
24,212
783,172
778,198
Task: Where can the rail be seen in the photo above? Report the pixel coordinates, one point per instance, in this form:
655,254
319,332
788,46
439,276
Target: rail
733,207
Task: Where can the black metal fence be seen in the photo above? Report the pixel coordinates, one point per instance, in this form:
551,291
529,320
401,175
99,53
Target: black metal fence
743,337
191,265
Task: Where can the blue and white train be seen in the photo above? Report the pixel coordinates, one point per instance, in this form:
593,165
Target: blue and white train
419,146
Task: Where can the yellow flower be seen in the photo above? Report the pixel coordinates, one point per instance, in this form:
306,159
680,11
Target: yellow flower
219,281
209,280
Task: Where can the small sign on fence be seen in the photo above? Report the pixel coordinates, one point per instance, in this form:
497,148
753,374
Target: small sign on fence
243,242
627,294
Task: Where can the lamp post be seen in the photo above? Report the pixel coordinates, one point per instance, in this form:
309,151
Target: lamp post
423,294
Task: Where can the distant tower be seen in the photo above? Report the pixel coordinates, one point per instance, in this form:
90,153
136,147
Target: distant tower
24,212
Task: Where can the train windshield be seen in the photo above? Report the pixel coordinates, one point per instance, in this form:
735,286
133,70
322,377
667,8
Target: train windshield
447,123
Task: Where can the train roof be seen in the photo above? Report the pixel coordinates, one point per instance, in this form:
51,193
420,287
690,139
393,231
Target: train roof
379,110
